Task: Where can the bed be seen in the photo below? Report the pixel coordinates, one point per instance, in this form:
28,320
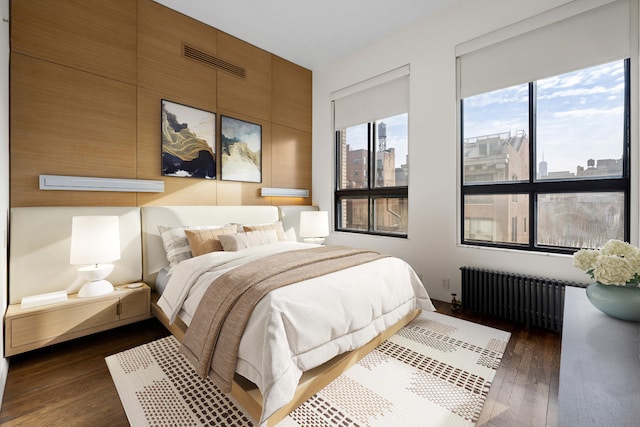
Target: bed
298,337
41,236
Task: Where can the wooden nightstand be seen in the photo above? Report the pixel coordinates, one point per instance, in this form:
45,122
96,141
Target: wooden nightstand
32,328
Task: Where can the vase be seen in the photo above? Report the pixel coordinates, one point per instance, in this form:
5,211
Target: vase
620,302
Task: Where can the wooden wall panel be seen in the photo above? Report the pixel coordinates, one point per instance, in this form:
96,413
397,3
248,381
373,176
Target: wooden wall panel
82,125
86,83
161,64
94,36
182,191
291,95
177,191
250,95
291,162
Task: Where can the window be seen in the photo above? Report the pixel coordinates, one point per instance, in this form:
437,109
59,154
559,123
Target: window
371,130
375,203
552,111
551,154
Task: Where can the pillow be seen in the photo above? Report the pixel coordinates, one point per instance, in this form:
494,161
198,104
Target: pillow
175,242
277,226
205,241
237,242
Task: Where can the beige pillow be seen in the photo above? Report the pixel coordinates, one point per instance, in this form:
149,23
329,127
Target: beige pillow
205,241
237,242
175,241
277,226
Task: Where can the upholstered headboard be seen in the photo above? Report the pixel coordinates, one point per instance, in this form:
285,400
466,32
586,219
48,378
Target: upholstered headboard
154,257
40,241
290,217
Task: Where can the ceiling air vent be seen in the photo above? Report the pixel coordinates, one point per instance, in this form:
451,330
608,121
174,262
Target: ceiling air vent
212,61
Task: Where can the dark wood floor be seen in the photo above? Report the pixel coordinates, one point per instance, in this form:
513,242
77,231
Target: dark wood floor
69,384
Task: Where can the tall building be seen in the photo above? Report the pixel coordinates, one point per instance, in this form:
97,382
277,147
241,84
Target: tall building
496,158
388,211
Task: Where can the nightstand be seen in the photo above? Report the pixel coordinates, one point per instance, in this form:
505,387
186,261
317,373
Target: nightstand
37,327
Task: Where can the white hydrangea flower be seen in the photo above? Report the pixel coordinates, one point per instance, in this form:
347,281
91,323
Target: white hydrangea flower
634,259
613,270
617,247
585,259
615,263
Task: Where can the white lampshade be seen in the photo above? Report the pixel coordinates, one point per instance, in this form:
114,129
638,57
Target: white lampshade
314,225
95,240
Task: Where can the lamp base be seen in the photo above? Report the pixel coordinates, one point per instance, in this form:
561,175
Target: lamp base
95,274
95,288
316,240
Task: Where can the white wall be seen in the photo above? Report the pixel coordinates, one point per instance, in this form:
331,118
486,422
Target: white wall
429,47
4,176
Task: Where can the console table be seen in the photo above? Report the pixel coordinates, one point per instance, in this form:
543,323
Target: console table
599,366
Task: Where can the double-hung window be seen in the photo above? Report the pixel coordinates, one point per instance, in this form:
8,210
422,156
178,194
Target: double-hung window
371,124
545,139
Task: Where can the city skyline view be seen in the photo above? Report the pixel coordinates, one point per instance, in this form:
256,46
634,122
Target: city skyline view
580,116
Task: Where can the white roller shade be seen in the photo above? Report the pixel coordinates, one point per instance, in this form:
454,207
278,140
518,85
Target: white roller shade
589,38
378,98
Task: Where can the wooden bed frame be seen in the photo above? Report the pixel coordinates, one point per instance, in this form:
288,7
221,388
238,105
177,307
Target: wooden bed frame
247,393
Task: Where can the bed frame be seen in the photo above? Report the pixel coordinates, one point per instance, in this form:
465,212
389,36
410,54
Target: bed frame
40,236
247,393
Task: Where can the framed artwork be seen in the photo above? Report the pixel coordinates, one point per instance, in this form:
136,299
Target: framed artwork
240,150
188,141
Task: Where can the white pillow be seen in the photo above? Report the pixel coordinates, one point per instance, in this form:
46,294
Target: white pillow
237,242
175,242
277,226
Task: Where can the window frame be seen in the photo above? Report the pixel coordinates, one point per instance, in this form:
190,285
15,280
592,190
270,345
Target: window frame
370,194
534,187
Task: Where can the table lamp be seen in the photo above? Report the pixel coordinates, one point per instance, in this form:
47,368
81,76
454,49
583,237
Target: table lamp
95,240
314,226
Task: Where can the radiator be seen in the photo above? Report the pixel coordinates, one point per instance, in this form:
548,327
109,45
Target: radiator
534,301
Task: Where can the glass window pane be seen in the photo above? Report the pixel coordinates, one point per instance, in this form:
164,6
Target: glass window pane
391,151
390,215
580,123
354,214
580,220
496,142
354,150
497,218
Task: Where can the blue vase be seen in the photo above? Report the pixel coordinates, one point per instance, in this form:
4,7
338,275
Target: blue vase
621,302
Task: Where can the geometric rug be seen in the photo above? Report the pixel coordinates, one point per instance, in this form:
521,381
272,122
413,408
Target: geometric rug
436,371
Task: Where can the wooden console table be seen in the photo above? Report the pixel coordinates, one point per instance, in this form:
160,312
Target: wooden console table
599,367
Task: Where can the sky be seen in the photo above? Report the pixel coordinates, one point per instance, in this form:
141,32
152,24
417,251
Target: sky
580,115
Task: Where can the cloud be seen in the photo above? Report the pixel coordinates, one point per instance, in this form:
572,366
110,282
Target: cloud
585,113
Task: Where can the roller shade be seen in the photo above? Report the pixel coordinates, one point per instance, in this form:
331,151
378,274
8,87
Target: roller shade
594,37
380,97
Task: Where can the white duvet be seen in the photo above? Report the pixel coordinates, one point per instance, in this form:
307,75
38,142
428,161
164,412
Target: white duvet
298,327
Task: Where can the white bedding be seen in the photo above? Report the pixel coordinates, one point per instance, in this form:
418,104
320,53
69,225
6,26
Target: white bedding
298,327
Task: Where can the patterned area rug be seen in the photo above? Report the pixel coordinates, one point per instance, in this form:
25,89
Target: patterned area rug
436,371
